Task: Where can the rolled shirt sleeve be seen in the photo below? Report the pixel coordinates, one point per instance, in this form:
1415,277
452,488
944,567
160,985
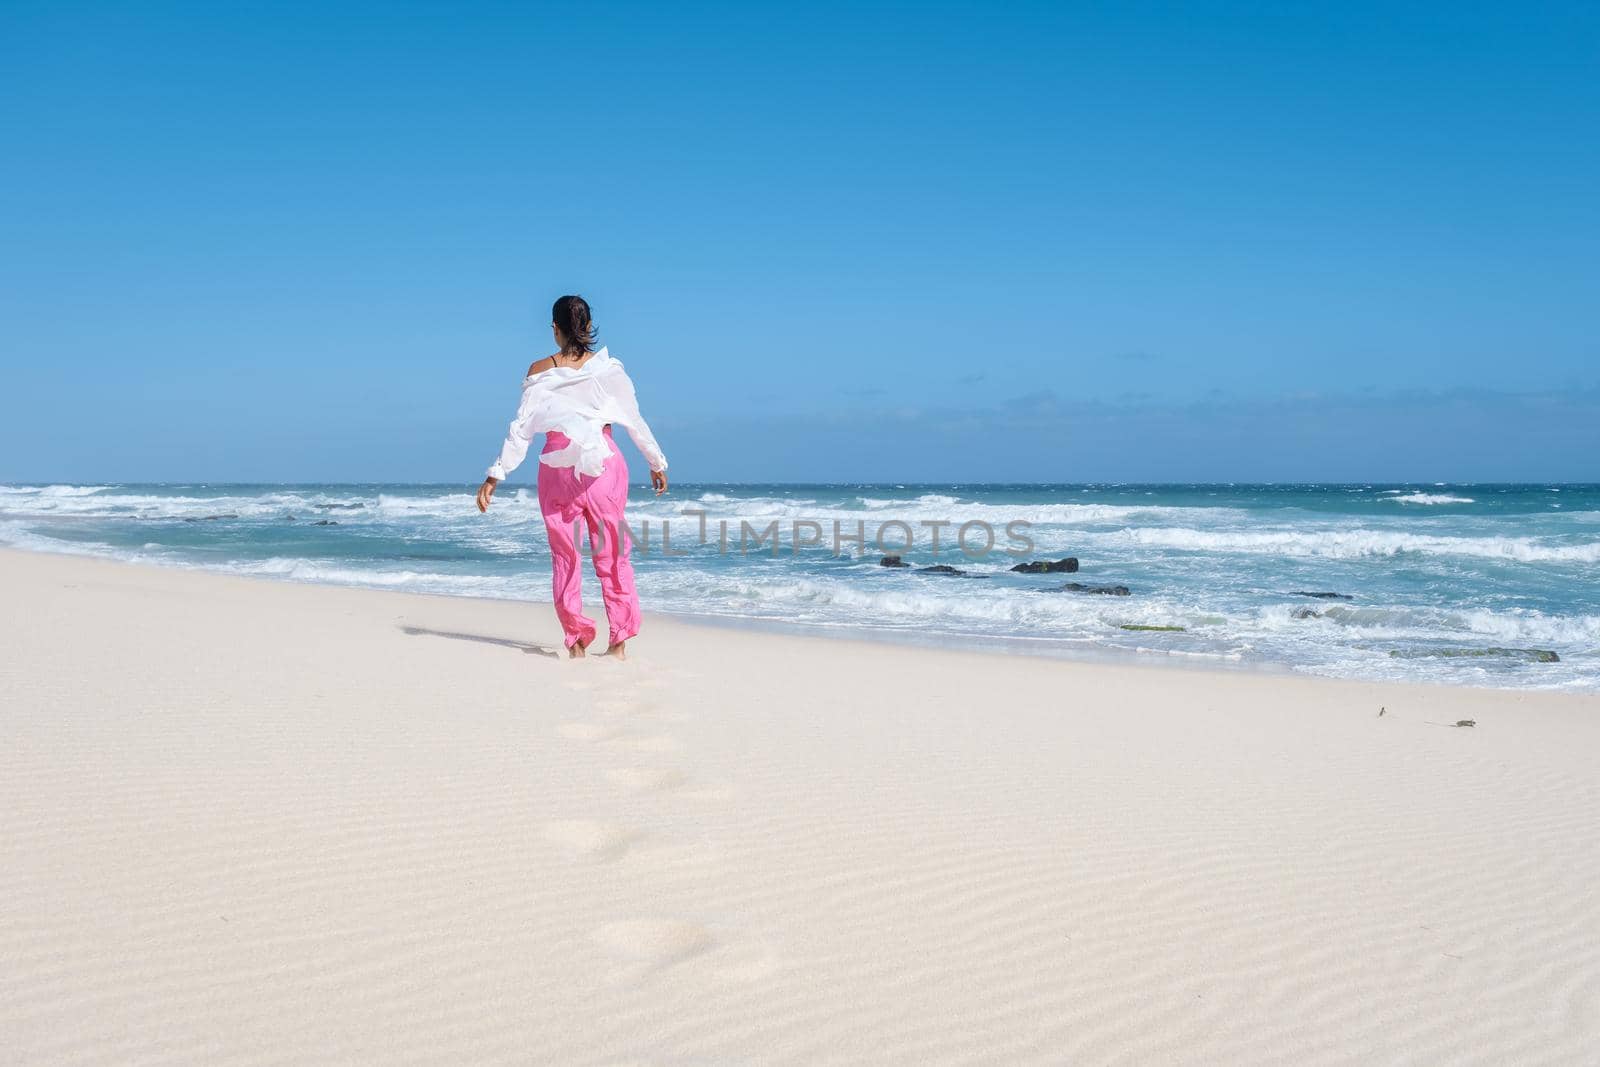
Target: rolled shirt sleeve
621,389
519,435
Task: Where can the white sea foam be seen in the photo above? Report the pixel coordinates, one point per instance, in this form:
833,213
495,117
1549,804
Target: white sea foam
1520,626
425,505
925,500
856,599
155,506
1220,573
51,491
92,502
1431,498
928,509
1355,544
17,534
328,572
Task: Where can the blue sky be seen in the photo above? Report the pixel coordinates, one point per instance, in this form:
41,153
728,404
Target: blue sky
1052,242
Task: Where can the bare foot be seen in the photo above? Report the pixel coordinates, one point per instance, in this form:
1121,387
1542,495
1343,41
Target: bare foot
618,651
578,650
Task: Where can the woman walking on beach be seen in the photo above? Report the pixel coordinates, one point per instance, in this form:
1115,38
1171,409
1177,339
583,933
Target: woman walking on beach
573,398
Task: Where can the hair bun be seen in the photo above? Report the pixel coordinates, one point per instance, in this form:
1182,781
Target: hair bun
572,317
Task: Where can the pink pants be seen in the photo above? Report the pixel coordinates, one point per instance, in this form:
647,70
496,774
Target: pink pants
564,495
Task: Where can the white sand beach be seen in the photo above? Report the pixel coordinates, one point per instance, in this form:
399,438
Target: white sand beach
247,822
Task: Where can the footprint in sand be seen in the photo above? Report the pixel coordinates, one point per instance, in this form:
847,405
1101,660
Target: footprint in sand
653,743
646,779
590,839
624,705
710,791
653,683
751,963
652,941
587,731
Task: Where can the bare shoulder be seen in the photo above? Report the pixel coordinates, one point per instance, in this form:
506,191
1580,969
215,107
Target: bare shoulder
540,366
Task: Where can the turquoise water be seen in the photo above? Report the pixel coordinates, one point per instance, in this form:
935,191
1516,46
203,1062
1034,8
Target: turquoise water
1449,583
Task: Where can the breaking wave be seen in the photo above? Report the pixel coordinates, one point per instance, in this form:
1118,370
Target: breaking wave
1358,543
1212,569
1428,498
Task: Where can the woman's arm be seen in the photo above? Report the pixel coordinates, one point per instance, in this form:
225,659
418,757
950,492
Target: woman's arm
519,436
639,430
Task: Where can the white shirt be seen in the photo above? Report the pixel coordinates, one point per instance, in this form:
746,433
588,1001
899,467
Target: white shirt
577,401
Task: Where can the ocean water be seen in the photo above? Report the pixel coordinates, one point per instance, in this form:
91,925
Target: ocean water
1452,583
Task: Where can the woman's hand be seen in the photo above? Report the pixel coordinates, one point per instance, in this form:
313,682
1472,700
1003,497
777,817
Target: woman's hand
658,481
486,493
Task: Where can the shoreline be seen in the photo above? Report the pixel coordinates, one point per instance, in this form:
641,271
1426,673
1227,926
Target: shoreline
978,644
1478,586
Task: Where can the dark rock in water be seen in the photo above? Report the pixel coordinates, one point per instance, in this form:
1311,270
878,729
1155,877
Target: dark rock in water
892,561
1152,629
289,518
1535,655
1101,590
1306,613
1325,596
210,518
1045,566
326,522
940,568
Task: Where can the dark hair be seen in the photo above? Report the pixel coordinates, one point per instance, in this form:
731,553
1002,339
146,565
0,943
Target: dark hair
571,316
